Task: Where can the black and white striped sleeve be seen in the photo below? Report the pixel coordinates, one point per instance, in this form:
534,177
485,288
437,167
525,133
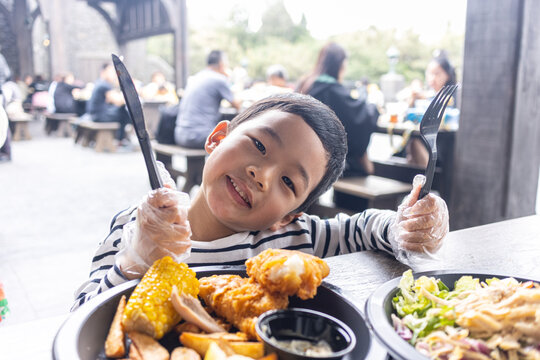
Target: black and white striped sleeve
104,274
345,234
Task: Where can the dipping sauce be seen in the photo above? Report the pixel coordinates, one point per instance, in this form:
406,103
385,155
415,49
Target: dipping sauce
304,347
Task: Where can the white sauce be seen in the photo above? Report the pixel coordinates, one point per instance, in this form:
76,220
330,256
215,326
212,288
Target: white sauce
293,265
303,347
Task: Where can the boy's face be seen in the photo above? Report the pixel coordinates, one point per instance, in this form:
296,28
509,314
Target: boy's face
258,174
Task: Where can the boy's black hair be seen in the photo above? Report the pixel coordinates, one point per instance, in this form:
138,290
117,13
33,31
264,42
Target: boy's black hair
321,119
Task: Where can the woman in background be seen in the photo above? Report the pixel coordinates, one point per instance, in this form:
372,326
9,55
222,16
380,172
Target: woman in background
358,117
439,73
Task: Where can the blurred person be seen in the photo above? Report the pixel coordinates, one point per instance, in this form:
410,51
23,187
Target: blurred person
107,104
38,93
64,96
199,108
439,73
276,83
357,115
5,138
159,89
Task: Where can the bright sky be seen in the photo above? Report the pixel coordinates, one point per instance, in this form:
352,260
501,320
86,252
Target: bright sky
429,18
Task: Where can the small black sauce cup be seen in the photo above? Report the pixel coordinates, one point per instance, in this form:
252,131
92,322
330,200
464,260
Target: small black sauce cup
304,324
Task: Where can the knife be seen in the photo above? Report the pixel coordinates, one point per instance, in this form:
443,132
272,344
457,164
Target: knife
135,112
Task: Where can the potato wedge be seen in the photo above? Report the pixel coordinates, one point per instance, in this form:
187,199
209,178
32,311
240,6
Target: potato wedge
184,353
114,345
201,342
215,352
134,354
252,349
149,348
272,356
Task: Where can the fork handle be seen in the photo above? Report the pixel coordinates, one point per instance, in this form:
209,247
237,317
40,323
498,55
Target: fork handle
430,171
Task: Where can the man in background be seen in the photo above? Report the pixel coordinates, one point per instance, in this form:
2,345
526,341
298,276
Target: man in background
107,103
199,107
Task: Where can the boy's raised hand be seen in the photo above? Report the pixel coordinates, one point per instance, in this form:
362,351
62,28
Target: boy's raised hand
420,225
161,229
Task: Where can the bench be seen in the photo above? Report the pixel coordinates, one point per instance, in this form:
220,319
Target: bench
194,163
100,133
366,192
59,122
19,126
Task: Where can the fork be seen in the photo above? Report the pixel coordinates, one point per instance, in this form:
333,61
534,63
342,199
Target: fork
429,128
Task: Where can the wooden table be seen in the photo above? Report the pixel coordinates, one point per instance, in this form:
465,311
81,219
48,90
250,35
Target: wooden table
398,168
507,247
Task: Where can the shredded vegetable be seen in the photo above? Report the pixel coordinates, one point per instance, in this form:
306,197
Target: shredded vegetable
494,319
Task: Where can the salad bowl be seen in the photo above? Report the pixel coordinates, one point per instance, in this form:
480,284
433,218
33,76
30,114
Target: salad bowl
379,309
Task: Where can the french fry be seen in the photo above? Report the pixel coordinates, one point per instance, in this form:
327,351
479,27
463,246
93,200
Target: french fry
184,353
215,352
201,342
149,348
114,345
272,356
251,349
134,354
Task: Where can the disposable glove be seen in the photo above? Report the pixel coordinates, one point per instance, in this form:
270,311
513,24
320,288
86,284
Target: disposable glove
420,225
161,229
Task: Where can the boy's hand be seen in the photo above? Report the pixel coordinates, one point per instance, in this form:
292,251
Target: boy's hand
161,229
420,225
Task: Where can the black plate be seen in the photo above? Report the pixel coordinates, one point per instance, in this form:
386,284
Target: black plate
82,336
379,307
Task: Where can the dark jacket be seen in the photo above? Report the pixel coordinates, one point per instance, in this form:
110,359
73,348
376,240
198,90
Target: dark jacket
358,117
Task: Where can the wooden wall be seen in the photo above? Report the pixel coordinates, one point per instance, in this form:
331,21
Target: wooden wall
497,153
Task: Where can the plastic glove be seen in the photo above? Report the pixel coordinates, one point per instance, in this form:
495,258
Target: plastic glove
161,229
420,225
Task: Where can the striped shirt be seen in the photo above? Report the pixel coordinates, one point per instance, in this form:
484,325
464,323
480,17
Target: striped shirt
310,234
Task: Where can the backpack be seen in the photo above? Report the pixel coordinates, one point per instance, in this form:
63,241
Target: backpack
167,123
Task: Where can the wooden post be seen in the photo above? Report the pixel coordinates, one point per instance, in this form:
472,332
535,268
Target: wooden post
22,27
498,143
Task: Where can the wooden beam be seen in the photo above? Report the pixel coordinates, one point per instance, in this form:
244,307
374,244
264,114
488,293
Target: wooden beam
497,152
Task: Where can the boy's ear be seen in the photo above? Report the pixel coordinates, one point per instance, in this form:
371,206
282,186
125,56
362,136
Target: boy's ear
219,133
286,220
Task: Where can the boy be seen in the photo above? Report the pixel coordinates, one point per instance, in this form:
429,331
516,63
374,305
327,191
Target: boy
265,168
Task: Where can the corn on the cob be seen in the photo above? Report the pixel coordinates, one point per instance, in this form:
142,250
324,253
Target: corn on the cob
149,309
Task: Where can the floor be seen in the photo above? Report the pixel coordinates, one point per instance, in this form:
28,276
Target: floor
58,200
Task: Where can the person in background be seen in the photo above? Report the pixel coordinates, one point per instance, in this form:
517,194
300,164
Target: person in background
159,89
64,101
199,107
358,117
5,140
107,104
439,73
276,83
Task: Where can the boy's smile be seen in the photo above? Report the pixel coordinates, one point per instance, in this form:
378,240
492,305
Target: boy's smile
256,175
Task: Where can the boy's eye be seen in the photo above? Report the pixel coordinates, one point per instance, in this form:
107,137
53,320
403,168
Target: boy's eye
288,182
259,146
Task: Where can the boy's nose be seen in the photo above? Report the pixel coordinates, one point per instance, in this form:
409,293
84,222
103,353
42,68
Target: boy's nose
261,176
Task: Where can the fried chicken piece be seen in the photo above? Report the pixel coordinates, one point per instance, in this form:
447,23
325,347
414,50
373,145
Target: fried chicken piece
239,300
288,272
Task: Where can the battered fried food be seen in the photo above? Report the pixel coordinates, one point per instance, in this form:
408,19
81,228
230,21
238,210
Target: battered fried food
239,300
288,272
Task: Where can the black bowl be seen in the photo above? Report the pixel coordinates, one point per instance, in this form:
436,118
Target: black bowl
379,308
304,324
82,336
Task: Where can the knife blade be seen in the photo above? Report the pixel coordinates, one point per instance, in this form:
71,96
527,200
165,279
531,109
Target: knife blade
137,118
